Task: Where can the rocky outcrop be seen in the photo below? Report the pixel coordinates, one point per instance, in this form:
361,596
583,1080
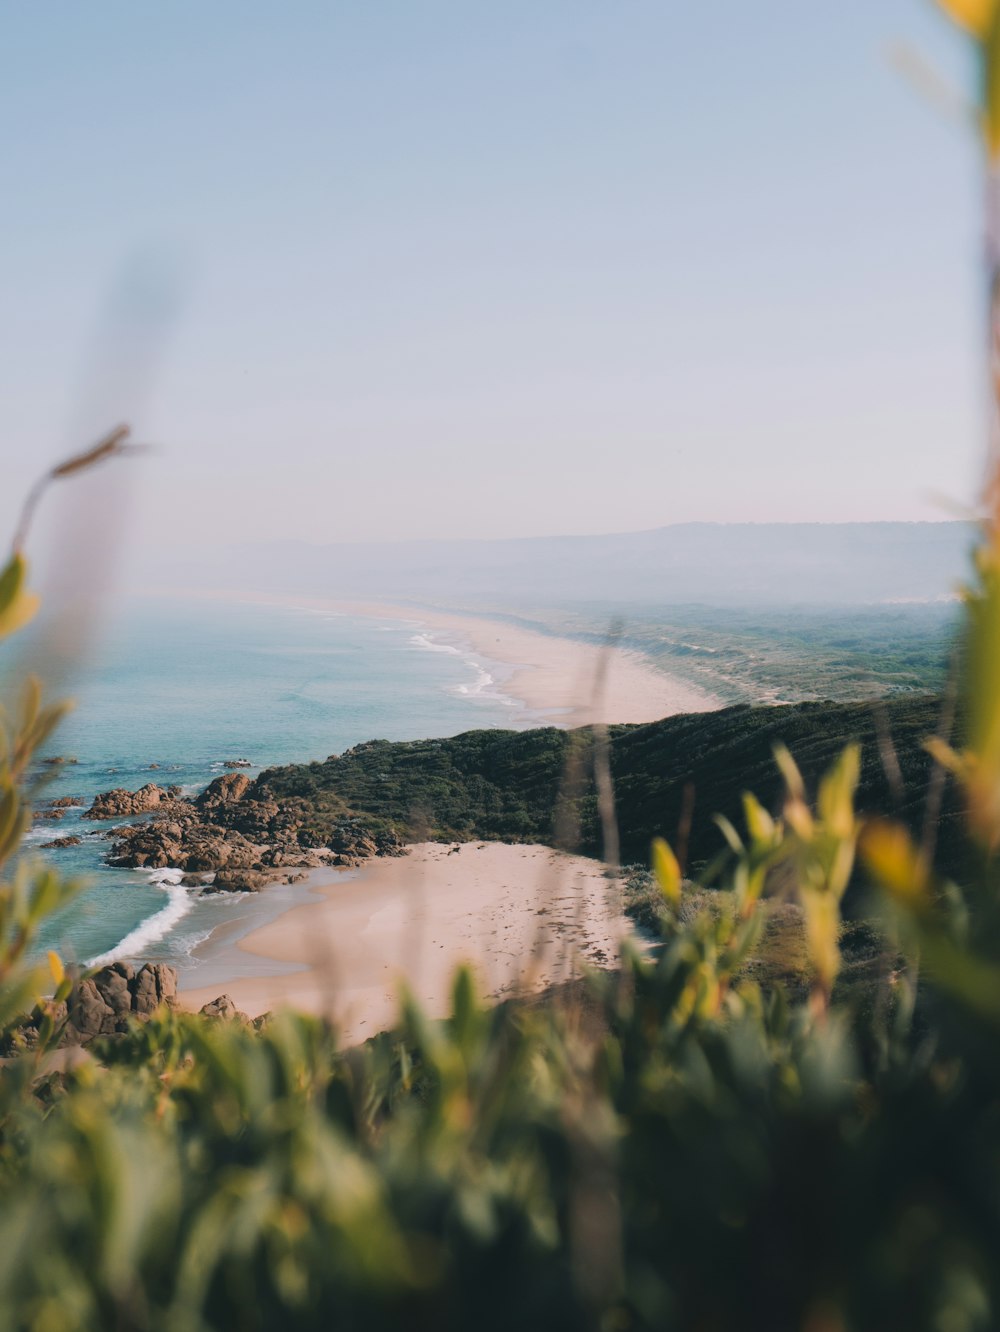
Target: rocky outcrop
236,830
237,763
353,841
120,804
183,843
58,842
102,1004
240,881
225,790
65,802
223,1007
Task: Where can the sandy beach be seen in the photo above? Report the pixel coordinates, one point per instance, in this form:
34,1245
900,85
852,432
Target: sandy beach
560,681
518,914
552,680
521,915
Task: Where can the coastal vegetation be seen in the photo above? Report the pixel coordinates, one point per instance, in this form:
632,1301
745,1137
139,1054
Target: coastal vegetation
716,1133
775,654
539,786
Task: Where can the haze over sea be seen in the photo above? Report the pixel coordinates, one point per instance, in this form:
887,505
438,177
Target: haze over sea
187,686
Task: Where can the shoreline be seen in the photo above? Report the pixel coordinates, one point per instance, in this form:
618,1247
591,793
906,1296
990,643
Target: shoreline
546,680
550,680
523,916
564,681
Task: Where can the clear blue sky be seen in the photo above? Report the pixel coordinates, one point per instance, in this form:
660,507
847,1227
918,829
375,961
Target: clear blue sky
398,268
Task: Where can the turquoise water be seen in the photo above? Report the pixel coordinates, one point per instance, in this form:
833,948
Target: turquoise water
187,686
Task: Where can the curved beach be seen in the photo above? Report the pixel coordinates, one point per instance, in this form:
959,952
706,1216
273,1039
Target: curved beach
523,917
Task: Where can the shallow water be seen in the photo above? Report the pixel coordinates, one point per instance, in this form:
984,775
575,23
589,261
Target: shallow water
187,686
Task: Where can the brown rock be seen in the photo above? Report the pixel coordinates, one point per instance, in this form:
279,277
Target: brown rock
102,1004
89,1015
112,984
60,841
153,985
225,790
120,803
65,802
239,881
223,1007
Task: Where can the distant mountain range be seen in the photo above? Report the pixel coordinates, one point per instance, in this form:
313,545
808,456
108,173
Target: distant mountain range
723,564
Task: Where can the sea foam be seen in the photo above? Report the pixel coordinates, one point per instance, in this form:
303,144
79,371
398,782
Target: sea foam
155,927
422,641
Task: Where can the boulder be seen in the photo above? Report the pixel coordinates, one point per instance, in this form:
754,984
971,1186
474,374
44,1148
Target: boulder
88,1014
65,802
112,984
223,1007
237,763
239,881
225,790
102,1004
120,803
60,841
153,985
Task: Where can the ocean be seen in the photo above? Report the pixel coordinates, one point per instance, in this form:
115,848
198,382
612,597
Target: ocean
175,689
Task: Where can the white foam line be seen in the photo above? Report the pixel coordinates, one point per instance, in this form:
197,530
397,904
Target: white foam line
422,641
155,927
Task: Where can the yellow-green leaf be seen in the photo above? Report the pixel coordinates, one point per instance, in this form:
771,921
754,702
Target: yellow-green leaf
760,825
56,967
667,871
17,605
835,799
790,771
975,16
894,862
12,580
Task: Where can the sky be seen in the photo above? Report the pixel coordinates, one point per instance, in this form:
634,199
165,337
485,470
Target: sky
377,269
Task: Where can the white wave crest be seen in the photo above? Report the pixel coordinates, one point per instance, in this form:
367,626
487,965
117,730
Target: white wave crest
155,927
422,641
481,683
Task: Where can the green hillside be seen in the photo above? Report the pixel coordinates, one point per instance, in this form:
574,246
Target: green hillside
520,786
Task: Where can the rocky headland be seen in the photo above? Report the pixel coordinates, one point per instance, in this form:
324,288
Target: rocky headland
235,830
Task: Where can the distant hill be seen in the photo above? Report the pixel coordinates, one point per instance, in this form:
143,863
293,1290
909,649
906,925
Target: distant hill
709,563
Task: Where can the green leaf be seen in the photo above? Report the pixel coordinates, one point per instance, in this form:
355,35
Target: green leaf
667,871
17,606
